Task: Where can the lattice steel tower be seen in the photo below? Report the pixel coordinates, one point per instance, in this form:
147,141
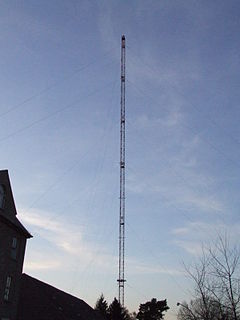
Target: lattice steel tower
121,277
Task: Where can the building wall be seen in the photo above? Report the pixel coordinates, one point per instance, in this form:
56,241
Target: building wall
13,237
11,263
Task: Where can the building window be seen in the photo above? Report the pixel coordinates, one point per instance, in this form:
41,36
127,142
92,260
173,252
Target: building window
2,196
14,248
7,288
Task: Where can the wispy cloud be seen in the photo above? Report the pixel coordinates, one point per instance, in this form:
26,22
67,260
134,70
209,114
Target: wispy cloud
194,236
180,231
182,188
67,237
70,241
199,229
146,269
172,118
42,265
202,202
192,247
63,235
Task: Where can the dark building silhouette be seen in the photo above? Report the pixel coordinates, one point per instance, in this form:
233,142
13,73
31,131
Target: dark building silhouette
40,301
21,296
13,238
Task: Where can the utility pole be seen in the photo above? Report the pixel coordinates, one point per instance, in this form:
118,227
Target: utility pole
121,277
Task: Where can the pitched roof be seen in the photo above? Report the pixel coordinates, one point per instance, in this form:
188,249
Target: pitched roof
16,224
40,301
8,213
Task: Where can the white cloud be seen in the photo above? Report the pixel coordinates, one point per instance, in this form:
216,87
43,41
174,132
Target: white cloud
62,234
192,247
173,118
194,236
41,265
70,241
146,269
180,231
65,236
202,202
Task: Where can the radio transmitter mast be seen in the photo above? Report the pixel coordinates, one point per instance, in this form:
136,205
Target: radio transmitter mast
121,277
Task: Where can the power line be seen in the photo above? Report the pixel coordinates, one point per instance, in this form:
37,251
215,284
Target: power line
70,105
48,88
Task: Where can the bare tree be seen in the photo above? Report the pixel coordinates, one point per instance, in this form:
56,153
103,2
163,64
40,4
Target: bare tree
216,278
225,271
196,309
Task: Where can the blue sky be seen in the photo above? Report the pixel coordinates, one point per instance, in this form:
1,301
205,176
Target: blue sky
59,111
